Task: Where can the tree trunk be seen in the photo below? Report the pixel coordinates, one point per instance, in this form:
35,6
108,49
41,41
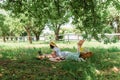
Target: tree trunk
37,37
36,34
29,37
57,32
4,40
29,34
11,38
57,36
119,32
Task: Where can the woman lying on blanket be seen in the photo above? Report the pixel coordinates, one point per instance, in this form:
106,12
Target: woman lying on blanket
54,54
58,55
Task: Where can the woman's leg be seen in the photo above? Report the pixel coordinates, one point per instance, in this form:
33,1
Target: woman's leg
79,44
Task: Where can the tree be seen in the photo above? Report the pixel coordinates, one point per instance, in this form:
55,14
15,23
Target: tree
38,27
18,10
38,13
4,29
57,15
90,16
27,11
14,26
114,19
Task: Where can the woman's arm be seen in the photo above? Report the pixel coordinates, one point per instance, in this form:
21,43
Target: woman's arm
53,54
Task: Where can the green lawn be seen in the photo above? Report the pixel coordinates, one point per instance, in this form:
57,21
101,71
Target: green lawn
18,62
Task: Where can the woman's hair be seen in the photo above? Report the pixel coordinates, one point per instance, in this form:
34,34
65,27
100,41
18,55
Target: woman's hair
51,46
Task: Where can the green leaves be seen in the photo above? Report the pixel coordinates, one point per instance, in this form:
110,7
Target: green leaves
89,16
3,26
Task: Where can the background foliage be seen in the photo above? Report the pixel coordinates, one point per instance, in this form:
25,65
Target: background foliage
90,17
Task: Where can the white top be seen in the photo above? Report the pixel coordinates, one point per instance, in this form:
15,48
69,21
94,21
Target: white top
66,54
59,53
57,50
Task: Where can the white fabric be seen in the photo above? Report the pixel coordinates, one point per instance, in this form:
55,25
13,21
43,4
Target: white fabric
66,54
59,53
57,50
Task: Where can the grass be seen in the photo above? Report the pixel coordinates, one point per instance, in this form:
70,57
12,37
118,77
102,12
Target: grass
17,62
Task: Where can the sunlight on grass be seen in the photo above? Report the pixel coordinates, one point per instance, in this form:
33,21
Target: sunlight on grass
1,55
61,44
19,62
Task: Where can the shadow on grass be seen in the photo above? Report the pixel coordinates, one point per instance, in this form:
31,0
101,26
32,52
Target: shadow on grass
21,64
